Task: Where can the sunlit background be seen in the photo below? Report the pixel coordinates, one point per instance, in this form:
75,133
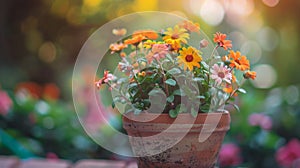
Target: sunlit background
40,40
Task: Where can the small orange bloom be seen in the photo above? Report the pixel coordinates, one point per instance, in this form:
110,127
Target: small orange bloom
143,73
190,26
225,58
135,40
135,65
115,47
250,74
174,44
233,77
123,54
238,61
220,39
149,34
229,89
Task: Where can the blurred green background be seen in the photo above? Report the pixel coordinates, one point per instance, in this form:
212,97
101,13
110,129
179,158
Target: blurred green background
40,40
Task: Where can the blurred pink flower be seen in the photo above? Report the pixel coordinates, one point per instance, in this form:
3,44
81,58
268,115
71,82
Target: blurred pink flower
157,52
229,155
264,121
288,154
52,156
5,103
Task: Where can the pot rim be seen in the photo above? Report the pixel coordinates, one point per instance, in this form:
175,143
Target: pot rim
145,117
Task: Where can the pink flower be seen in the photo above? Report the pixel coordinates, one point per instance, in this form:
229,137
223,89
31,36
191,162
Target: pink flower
221,73
157,52
229,155
106,78
289,154
5,103
264,121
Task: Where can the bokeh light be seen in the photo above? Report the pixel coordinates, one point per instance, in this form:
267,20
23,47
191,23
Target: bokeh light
267,38
212,12
271,3
239,7
266,76
252,50
47,52
291,94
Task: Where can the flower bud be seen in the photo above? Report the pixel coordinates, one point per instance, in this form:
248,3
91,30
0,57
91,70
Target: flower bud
250,74
203,43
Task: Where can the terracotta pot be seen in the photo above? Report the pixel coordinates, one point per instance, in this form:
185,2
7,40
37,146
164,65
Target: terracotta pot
181,141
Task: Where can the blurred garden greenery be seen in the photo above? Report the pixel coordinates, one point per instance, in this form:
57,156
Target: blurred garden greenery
40,40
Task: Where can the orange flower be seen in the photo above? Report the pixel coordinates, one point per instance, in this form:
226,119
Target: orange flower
190,26
149,34
250,74
239,62
135,40
220,39
115,47
229,89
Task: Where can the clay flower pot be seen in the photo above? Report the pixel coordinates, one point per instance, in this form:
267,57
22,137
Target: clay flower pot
169,143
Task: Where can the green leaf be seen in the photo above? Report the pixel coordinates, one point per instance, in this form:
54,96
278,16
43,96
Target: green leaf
241,90
116,99
173,113
154,92
198,79
217,57
204,64
169,57
113,105
137,111
178,92
174,71
121,80
200,97
132,85
181,108
170,99
188,92
171,82
128,108
236,107
194,112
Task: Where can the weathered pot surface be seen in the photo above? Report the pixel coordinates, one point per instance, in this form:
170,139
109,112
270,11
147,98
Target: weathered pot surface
165,142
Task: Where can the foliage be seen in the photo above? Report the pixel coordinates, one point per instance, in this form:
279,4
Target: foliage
160,67
35,126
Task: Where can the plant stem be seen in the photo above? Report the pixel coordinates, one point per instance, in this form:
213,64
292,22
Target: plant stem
209,60
164,78
120,92
233,92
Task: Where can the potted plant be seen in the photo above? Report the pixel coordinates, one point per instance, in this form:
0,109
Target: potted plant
172,99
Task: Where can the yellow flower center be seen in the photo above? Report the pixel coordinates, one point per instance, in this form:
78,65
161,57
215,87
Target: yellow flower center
189,58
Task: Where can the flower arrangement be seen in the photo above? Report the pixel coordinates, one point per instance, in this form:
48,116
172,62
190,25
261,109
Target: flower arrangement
162,70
